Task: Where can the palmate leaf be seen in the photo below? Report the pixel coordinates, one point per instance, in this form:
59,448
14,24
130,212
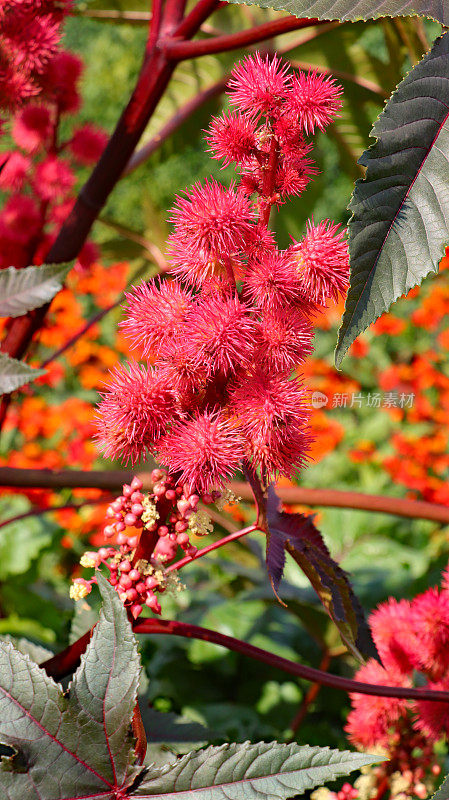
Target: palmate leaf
400,219
297,534
354,10
21,290
251,771
14,373
76,745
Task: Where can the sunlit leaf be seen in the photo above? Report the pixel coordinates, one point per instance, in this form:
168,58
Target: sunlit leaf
251,771
354,10
21,290
14,373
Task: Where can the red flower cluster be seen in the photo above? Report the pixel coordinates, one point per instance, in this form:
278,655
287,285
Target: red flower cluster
39,177
224,336
413,640
29,37
160,522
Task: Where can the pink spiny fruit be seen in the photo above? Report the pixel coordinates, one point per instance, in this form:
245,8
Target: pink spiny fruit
394,637
430,622
87,144
211,221
220,333
323,262
134,412
272,281
285,340
259,85
371,719
205,450
31,127
315,98
53,179
155,312
272,413
232,138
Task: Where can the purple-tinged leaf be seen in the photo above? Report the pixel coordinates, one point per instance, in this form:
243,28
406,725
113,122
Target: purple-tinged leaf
77,745
250,772
299,536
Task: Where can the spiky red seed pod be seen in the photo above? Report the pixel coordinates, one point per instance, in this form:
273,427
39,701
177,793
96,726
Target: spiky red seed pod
205,450
259,85
155,312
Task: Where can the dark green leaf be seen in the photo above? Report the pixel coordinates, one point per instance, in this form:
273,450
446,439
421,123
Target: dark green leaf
354,10
237,771
21,290
14,373
400,225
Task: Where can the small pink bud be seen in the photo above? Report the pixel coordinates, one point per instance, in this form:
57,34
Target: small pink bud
192,550
151,583
183,540
170,494
131,595
183,505
141,587
136,497
122,539
120,526
110,511
136,483
134,575
179,490
172,519
109,531
136,509
194,500
162,530
127,491
138,523
207,499
156,475
118,516
136,610
103,553
113,580
125,582
153,603
132,541
181,526
130,520
116,505
125,566
123,597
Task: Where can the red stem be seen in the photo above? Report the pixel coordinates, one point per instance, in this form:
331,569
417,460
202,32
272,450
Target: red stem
269,182
180,51
193,21
73,339
214,546
112,480
176,628
39,512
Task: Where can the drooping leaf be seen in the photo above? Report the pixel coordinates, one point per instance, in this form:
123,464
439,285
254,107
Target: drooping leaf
400,224
21,290
251,771
303,541
77,745
14,373
354,10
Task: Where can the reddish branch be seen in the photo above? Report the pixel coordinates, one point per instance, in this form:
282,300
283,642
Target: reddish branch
176,628
296,495
181,50
64,663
